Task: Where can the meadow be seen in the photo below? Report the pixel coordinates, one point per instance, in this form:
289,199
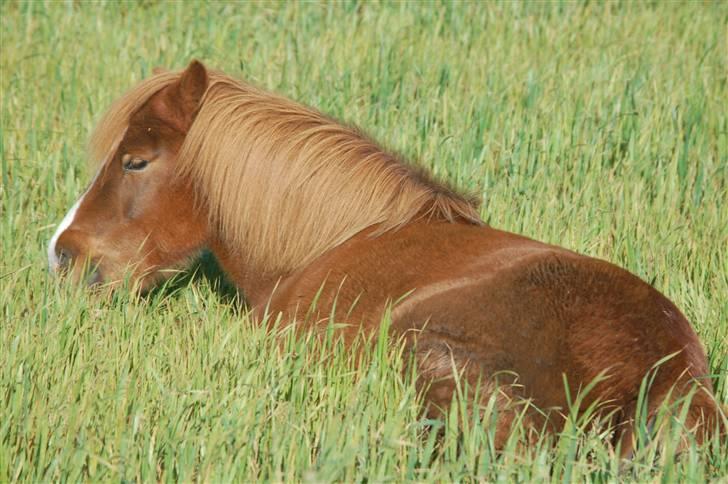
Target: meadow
599,127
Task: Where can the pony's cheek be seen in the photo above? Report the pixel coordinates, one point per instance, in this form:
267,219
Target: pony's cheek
135,199
114,255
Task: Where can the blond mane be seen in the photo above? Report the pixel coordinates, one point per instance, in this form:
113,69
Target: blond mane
283,182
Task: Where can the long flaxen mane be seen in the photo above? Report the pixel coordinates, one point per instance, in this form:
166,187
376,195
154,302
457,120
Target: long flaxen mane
284,182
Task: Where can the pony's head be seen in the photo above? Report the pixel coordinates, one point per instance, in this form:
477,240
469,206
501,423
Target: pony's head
137,217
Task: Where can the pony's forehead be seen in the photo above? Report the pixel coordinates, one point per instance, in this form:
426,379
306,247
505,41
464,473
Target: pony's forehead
114,123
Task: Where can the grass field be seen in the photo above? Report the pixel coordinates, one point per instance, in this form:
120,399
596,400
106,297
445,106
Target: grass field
602,128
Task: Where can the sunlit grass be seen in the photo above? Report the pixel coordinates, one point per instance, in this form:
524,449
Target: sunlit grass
599,127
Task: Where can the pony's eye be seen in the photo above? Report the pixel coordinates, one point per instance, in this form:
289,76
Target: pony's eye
135,164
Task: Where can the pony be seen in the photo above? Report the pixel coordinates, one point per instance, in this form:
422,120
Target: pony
313,222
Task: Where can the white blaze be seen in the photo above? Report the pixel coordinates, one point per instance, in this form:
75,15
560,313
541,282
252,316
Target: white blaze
53,261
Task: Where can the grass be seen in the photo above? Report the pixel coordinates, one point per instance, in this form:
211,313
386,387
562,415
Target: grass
599,127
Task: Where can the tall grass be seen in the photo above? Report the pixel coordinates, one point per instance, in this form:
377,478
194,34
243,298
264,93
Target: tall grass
599,127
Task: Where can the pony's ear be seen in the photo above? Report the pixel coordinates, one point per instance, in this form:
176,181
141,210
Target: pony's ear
192,86
178,104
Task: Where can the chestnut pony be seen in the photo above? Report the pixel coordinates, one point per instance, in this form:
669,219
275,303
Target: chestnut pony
298,208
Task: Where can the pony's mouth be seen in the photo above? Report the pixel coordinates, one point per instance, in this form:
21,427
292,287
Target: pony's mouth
94,277
89,273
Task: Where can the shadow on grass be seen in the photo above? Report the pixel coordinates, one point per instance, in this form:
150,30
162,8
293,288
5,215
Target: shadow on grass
204,270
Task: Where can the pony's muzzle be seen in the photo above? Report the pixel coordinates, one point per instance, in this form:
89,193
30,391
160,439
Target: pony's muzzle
70,260
64,258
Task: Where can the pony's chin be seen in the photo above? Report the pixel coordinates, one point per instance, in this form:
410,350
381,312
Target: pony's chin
151,279
94,278
102,279
108,277
87,274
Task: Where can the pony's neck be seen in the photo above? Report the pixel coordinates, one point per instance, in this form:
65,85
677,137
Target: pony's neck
256,284
285,184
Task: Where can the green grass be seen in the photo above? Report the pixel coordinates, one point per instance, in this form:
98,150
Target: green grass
602,128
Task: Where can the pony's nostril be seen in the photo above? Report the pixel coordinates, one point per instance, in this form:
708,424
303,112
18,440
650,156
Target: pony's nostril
64,258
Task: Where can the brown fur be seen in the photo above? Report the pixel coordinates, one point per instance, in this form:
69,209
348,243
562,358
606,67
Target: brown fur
298,208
